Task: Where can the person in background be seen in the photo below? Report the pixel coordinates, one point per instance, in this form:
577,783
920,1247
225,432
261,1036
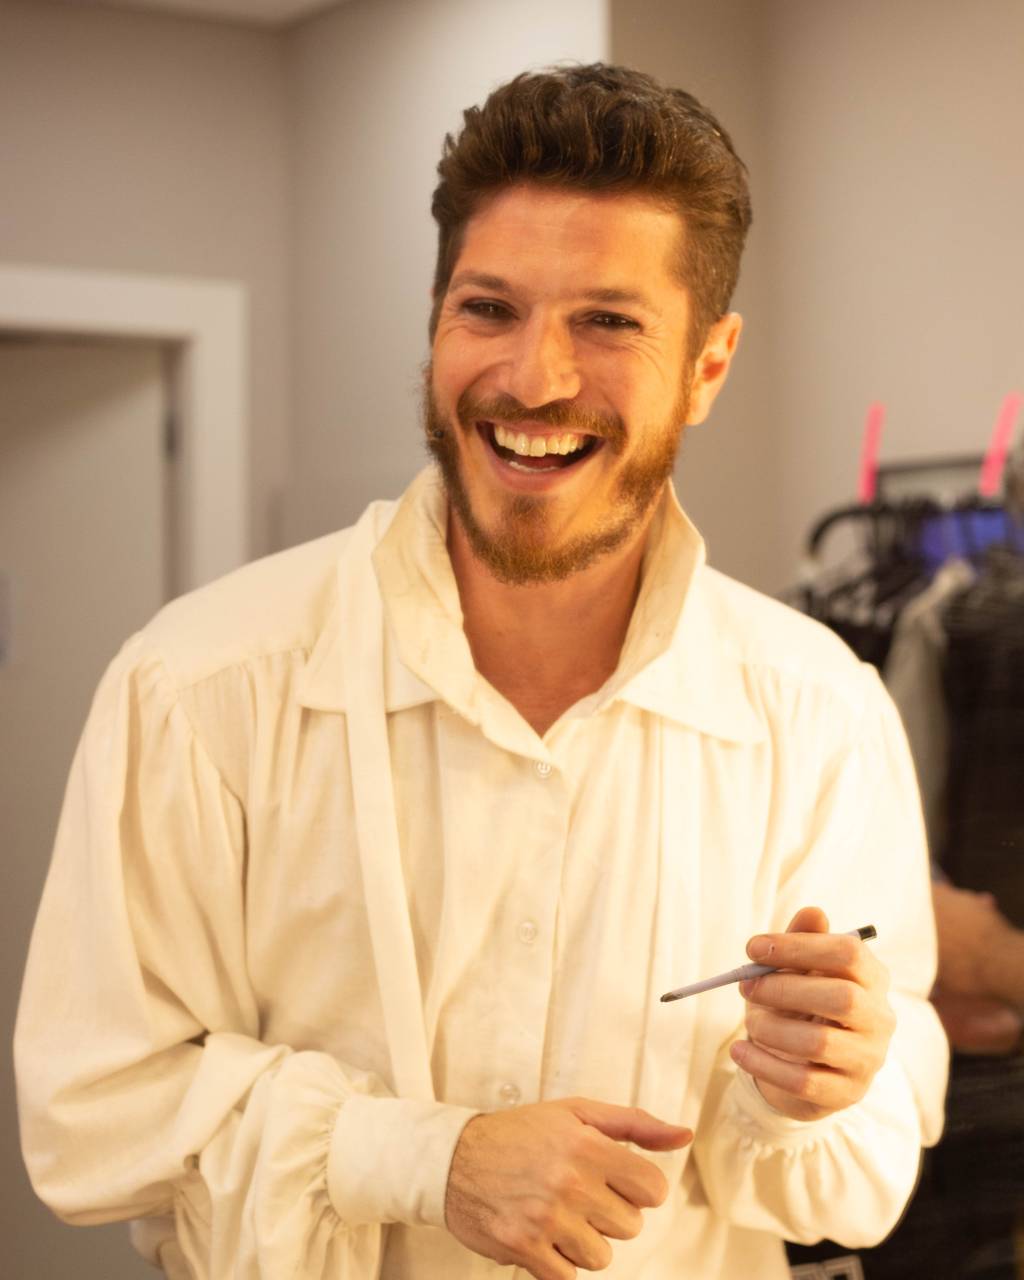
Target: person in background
979,990
377,855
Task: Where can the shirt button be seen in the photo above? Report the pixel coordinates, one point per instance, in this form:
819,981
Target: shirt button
543,768
509,1094
527,932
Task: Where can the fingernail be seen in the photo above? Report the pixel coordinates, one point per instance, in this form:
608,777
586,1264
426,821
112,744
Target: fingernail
738,1052
760,948
747,986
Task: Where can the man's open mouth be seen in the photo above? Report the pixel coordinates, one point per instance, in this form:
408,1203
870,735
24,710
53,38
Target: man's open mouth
553,451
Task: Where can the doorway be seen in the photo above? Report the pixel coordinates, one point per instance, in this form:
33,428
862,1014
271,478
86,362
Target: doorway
123,482
84,561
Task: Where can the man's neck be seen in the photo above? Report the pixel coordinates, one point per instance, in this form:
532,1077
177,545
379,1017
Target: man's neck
545,646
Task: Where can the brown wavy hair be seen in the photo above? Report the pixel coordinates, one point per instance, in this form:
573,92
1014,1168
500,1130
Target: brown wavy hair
603,129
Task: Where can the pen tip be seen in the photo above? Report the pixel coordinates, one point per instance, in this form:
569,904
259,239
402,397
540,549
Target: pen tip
667,999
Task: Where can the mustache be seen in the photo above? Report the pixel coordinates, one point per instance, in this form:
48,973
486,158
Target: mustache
556,413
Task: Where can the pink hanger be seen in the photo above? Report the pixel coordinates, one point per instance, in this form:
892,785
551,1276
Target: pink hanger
991,478
869,453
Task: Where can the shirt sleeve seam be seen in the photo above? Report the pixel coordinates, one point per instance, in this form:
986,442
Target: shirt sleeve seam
174,694
185,686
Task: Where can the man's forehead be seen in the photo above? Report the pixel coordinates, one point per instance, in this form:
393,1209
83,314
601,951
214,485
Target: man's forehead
618,249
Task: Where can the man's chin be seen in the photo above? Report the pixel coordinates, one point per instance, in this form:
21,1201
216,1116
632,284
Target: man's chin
532,555
515,544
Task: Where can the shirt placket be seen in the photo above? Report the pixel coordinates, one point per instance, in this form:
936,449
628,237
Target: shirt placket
516,850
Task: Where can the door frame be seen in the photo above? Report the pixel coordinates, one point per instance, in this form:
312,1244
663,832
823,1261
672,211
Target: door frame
205,326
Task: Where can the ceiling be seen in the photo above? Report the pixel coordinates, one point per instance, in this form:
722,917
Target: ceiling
266,13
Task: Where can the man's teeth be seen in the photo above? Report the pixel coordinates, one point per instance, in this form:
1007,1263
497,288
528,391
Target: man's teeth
536,446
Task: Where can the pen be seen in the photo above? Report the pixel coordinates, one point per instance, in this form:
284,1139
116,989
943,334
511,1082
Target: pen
749,971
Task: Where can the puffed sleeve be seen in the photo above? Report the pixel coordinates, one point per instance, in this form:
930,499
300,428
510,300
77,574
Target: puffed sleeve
144,1090
863,858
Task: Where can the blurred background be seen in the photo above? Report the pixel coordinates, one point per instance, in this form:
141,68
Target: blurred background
215,261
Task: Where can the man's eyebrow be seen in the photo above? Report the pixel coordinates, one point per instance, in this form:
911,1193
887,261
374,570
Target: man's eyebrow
480,280
626,297
621,297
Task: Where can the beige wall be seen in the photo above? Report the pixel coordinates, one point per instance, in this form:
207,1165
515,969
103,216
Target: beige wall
728,470
896,191
140,142
374,87
886,260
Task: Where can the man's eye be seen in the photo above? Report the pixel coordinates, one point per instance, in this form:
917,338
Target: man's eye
608,320
486,310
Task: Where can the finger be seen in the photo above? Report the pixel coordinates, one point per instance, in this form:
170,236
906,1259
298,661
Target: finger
808,920
809,995
631,1124
832,953
817,1085
815,1042
636,1180
584,1247
615,1217
549,1264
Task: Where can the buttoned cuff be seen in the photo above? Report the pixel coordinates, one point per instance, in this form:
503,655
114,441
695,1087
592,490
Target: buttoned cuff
389,1159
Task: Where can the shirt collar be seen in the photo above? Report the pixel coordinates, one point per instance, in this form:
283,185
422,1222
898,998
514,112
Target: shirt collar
676,662
681,659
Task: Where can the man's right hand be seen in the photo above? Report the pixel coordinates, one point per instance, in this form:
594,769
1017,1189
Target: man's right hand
544,1187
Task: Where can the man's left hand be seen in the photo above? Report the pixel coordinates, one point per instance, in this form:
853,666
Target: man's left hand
819,1031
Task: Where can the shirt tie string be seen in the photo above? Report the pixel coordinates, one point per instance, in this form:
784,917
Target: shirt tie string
387,905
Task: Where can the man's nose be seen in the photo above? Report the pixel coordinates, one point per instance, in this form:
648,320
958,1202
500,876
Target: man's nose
543,366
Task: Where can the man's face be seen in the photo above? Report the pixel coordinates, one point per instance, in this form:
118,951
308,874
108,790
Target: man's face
559,381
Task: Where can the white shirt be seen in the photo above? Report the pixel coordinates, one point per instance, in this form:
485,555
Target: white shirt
269,984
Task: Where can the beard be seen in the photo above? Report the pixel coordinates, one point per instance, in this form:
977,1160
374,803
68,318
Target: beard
519,549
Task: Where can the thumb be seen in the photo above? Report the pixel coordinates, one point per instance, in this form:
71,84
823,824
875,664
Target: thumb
631,1124
808,920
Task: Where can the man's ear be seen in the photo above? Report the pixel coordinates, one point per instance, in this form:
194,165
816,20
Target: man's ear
712,365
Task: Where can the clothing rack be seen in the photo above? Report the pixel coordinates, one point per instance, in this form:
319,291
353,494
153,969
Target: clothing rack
970,1203
926,511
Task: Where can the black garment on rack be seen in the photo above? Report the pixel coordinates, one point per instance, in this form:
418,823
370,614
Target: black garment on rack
862,605
984,682
962,1222
904,543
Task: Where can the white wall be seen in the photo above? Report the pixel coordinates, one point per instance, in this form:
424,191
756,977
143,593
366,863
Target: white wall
140,142
896,191
374,87
727,472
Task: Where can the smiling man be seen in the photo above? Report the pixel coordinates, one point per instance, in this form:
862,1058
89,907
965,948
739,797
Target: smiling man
378,855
